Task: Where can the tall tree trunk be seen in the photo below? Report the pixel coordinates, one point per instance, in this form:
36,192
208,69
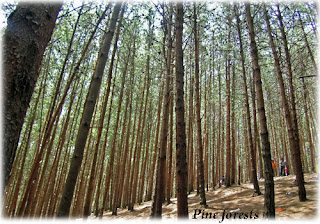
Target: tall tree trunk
169,72
190,137
205,139
269,202
228,135
212,83
94,88
200,168
27,34
181,162
218,173
170,147
233,130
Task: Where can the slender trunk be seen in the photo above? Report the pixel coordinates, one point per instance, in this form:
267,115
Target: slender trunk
218,173
181,162
228,139
214,165
190,136
233,131
205,140
200,167
170,175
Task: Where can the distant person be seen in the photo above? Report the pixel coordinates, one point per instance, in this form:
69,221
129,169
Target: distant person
286,171
282,166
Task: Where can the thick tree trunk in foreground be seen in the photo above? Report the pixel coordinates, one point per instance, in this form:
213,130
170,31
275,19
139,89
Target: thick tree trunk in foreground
28,32
181,160
269,203
84,127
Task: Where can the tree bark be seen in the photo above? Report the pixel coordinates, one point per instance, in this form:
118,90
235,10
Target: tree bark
181,162
28,32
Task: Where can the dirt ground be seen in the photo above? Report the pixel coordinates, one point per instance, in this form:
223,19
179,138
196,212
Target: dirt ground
239,201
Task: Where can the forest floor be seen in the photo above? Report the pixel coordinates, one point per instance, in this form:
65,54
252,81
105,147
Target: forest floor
239,199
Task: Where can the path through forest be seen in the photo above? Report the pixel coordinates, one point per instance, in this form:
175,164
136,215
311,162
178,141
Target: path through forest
240,197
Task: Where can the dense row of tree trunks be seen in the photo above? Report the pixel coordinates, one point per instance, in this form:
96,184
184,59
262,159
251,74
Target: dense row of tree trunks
161,179
292,130
65,204
155,153
248,116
